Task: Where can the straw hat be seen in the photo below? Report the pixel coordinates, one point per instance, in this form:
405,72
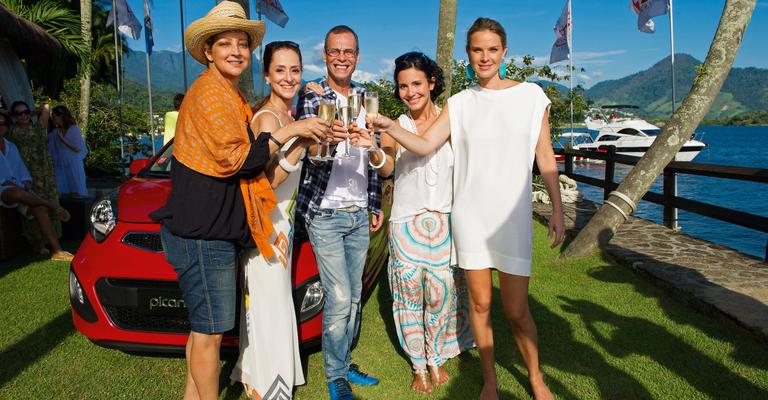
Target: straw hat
226,16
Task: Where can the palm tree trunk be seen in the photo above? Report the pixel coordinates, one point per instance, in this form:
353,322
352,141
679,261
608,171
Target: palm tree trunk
446,36
711,75
85,67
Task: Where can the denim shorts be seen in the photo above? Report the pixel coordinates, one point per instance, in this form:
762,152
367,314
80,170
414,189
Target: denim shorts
207,271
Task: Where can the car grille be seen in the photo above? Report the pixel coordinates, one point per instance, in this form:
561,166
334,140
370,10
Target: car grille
149,241
126,303
130,319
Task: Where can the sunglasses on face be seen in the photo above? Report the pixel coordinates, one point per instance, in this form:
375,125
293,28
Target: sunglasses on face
24,112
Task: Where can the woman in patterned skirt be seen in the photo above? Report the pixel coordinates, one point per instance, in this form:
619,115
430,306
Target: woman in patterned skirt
430,305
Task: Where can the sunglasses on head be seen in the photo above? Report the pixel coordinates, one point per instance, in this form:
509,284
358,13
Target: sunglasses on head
24,112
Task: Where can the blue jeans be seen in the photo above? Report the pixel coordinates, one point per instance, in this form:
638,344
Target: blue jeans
340,242
207,271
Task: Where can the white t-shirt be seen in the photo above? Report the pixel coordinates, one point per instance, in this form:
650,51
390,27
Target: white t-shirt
348,183
421,183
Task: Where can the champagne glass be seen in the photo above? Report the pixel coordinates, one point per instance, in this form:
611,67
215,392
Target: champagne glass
327,112
345,116
372,109
355,100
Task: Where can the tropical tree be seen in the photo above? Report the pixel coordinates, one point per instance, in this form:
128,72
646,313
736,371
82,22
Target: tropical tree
60,22
709,79
446,37
85,70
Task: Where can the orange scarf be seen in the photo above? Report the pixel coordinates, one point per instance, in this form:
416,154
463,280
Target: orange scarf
212,138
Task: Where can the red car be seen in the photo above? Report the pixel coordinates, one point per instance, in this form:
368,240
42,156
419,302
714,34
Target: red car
124,294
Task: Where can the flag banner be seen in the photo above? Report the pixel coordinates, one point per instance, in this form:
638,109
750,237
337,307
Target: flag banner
127,22
148,38
274,12
647,9
561,50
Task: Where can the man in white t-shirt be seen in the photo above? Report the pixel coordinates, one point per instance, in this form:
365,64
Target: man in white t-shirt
335,198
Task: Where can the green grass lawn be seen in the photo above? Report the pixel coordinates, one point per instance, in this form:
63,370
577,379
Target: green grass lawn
605,333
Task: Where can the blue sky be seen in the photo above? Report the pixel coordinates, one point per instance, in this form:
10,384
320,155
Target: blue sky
606,41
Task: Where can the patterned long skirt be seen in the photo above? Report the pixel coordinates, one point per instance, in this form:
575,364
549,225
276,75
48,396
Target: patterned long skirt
430,303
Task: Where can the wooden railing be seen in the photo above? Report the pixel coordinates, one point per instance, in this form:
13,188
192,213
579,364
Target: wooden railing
668,199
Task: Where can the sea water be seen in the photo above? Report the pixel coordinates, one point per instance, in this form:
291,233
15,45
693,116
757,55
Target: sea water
742,146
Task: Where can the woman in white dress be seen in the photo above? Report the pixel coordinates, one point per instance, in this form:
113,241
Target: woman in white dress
68,150
496,128
269,365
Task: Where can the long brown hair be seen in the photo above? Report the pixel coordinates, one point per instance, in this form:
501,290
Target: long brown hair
67,119
487,24
269,50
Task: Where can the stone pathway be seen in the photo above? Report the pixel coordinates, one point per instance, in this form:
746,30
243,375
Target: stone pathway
714,278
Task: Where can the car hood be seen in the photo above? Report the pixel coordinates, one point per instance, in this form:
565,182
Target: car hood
140,196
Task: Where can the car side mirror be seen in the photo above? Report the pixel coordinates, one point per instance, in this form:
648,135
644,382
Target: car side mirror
137,165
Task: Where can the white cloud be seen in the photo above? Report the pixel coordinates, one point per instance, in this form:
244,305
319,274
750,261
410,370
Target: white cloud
315,69
364,76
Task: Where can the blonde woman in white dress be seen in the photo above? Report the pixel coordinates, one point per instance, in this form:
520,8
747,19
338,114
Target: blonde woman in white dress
496,128
269,365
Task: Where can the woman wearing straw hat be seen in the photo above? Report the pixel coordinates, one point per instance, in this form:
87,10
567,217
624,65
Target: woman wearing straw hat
220,199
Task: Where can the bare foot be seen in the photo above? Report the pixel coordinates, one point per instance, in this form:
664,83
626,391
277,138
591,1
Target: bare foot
489,392
540,389
438,374
421,382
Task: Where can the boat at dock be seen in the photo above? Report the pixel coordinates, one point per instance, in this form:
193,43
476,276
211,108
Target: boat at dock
629,134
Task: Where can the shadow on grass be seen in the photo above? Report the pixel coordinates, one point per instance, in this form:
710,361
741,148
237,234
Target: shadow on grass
29,350
384,297
558,349
678,303
227,389
632,335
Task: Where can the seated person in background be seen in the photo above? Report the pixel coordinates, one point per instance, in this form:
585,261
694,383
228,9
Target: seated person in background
15,184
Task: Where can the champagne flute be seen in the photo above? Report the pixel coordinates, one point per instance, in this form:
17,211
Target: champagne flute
345,116
327,112
372,109
355,100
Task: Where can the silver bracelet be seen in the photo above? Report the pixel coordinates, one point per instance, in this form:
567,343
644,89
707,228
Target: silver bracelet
383,159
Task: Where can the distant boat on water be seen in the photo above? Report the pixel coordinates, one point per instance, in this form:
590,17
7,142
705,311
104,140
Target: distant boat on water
630,134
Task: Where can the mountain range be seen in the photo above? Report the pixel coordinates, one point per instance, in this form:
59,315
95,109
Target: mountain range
746,89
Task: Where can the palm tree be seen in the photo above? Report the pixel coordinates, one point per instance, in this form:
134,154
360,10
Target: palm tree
64,25
711,75
446,32
85,73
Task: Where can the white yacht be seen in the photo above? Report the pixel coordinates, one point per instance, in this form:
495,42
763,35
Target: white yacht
631,136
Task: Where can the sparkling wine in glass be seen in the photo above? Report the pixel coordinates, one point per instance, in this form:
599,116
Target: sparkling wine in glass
372,109
345,116
354,100
327,112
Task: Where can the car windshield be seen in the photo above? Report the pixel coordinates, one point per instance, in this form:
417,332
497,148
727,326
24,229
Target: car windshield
161,167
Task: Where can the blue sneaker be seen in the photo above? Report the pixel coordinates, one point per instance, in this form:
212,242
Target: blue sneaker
360,378
339,389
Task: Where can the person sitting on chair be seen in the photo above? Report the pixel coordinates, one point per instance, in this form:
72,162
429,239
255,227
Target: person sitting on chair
15,192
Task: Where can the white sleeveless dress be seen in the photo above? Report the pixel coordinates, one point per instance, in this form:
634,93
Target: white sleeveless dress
269,364
493,136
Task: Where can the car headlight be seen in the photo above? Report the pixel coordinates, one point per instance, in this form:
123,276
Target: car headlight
103,218
312,301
